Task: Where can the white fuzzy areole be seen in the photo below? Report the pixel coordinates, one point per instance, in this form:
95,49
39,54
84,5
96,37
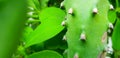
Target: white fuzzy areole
76,55
63,23
62,4
70,11
95,10
83,36
111,7
111,25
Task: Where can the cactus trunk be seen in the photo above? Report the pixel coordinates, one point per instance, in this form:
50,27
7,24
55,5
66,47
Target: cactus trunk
87,24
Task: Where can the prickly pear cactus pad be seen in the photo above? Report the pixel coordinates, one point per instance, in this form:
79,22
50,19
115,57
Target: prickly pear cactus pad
86,24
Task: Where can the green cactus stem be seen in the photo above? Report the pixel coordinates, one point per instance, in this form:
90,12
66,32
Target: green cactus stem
86,23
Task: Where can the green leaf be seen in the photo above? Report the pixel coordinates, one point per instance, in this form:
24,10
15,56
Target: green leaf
50,26
45,54
112,16
116,36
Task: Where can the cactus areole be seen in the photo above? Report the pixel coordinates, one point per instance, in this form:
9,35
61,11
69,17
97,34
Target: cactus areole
86,29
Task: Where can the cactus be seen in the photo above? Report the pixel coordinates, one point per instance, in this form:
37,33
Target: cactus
86,24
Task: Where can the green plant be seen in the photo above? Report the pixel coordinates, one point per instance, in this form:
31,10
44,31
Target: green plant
87,28
60,29
12,19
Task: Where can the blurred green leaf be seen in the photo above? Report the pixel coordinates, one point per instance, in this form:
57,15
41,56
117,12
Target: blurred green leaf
12,20
116,36
50,26
112,16
45,54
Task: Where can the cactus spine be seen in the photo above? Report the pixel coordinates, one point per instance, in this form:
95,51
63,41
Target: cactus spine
87,23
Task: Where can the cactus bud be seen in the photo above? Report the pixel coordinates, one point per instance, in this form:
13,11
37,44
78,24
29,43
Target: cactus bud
111,25
109,46
30,19
109,31
76,55
70,11
64,38
30,13
65,52
83,36
111,7
63,23
31,8
95,10
62,4
30,25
